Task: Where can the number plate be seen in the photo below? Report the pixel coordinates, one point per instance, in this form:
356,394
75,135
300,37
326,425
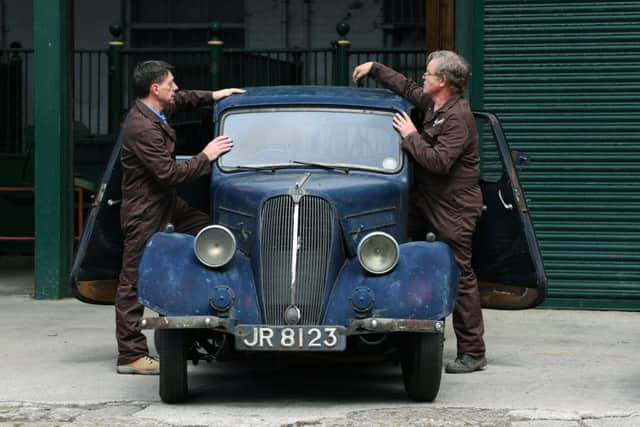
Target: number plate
290,338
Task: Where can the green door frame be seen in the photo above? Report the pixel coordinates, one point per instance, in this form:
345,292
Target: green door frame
53,147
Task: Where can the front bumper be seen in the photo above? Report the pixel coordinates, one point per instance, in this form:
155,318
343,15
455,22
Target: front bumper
370,325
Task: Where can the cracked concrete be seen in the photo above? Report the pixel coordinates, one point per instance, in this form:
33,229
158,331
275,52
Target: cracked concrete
107,413
123,414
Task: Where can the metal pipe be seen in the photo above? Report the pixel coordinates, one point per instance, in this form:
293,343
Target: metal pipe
3,24
124,21
308,24
284,20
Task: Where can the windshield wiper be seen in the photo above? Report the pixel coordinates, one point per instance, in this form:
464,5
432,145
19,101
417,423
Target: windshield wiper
273,168
255,168
343,169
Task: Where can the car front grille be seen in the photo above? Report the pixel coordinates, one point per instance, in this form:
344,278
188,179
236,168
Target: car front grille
314,242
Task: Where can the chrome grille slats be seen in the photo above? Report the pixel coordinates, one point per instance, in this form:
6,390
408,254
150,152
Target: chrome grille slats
277,223
315,244
312,258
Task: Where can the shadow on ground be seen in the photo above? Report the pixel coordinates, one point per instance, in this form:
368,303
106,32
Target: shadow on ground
16,275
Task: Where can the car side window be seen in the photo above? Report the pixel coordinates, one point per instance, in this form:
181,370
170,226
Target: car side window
491,168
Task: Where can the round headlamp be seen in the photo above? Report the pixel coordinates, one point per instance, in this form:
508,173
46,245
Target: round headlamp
378,252
215,245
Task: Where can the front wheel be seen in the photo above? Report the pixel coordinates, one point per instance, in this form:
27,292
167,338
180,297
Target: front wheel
422,365
173,365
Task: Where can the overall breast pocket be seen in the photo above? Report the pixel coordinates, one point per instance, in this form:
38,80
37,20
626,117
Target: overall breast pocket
432,133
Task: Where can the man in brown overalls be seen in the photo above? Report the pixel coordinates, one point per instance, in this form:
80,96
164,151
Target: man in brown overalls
446,198
150,175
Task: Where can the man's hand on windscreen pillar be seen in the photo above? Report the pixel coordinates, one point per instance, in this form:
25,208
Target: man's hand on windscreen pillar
217,147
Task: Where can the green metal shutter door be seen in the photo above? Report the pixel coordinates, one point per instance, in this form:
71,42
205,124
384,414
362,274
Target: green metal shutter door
564,77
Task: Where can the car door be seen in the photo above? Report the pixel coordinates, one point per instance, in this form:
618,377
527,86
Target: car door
506,256
94,275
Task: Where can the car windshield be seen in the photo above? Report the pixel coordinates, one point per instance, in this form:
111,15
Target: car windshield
351,138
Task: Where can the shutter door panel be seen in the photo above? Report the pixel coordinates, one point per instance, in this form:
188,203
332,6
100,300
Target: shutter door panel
564,78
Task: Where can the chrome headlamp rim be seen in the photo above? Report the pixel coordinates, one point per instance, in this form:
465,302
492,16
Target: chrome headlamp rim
227,258
396,257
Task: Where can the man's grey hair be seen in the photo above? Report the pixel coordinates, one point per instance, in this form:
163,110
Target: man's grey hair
451,66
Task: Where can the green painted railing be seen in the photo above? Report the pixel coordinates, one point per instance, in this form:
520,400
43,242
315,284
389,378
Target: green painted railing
17,68
410,62
103,90
90,92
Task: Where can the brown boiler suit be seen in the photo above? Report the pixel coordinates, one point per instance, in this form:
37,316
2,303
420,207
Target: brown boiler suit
150,201
446,197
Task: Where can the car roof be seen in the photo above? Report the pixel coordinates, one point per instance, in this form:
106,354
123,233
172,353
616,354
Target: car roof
315,95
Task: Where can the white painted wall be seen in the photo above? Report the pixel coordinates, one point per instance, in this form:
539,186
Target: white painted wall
312,23
17,22
92,21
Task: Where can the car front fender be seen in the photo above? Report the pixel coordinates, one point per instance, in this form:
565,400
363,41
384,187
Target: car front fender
172,282
423,286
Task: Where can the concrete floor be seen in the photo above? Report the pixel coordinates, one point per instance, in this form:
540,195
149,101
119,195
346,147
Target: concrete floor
16,275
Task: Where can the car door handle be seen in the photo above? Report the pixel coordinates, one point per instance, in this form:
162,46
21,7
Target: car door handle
507,206
111,202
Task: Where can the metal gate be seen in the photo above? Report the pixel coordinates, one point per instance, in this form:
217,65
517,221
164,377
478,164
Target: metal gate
564,77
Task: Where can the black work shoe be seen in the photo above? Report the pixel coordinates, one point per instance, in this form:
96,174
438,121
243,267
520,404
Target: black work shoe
465,363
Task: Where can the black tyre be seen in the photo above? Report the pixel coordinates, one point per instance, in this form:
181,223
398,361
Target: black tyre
157,339
422,365
173,365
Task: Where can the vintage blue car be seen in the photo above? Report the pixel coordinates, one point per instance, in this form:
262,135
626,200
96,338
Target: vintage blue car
308,250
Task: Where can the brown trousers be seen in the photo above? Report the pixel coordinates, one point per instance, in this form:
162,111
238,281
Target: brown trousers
453,220
132,344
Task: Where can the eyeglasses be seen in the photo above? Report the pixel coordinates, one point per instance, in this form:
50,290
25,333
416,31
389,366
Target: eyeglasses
427,74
